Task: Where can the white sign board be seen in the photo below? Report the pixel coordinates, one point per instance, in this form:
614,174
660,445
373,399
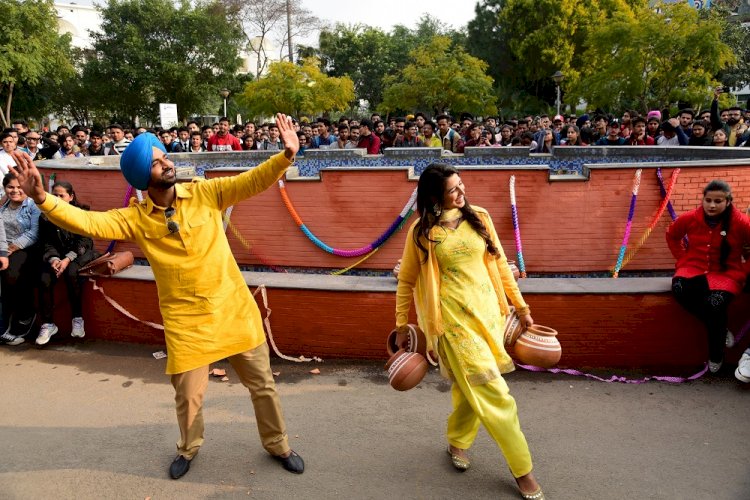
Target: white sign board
168,115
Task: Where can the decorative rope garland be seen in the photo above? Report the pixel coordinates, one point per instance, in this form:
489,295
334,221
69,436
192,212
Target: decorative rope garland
516,227
616,378
405,213
670,208
631,213
655,220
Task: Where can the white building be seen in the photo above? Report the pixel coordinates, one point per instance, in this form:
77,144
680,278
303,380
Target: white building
79,21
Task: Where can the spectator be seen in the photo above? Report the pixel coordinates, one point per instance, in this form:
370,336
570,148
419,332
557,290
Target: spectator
248,142
324,138
207,132
183,141
706,116
710,271
601,128
420,120
273,142
653,126
192,126
719,138
686,117
343,137
583,121
223,140
96,145
573,137
353,137
20,217
672,134
68,148
196,143
249,129
379,128
21,127
82,139
63,254
477,137
165,136
450,139
303,141
731,125
626,124
410,137
544,141
119,141
428,137
33,142
639,137
505,136
700,136
367,139
612,137
9,145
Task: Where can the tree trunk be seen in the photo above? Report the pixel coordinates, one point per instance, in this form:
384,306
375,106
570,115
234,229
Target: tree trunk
6,114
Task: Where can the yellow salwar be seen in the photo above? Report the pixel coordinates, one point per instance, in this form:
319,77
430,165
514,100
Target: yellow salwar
471,347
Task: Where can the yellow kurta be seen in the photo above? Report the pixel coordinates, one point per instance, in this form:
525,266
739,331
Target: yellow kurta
472,321
208,311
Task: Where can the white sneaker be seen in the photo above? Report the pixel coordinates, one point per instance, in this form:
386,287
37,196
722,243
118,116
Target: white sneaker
45,333
729,342
743,369
78,330
9,339
714,367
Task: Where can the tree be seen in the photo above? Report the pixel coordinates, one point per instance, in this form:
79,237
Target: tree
31,50
737,36
652,58
296,90
440,77
152,51
264,24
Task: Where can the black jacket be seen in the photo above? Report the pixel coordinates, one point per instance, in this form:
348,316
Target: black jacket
57,242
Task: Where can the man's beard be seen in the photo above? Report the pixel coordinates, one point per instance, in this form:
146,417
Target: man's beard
163,184
733,121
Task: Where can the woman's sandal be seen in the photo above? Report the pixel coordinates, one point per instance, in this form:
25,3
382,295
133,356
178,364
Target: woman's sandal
461,464
537,495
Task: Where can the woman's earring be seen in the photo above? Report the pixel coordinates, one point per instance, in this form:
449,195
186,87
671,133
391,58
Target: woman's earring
437,209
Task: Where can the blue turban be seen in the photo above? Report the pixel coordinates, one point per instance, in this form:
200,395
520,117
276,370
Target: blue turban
135,161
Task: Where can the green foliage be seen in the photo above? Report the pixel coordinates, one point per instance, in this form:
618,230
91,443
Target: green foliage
296,90
152,51
367,55
32,51
652,58
441,77
737,36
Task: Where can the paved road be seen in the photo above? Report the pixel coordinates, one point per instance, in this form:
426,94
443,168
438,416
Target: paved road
96,420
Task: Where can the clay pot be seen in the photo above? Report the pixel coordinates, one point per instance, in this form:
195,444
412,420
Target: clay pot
538,346
396,269
406,370
514,268
513,328
415,341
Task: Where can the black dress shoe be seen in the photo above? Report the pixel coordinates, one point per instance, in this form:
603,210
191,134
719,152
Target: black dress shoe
179,467
292,463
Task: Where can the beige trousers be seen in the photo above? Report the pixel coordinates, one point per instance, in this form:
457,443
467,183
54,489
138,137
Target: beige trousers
253,368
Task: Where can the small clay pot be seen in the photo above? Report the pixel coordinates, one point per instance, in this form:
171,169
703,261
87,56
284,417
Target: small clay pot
513,328
415,341
538,346
514,268
396,269
406,369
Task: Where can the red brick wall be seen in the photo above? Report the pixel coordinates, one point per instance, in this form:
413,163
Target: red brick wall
649,332
565,226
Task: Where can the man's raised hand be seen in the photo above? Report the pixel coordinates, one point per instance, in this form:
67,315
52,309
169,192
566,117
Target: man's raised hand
28,176
288,135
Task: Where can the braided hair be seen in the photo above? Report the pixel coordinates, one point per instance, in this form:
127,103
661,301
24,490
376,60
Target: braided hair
725,219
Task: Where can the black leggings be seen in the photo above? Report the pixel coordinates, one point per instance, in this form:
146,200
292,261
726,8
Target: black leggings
73,282
710,306
19,284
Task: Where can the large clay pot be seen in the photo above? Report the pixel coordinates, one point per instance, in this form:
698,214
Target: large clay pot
538,346
415,341
513,328
406,369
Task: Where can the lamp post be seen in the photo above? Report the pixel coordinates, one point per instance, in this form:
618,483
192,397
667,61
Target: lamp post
224,93
558,77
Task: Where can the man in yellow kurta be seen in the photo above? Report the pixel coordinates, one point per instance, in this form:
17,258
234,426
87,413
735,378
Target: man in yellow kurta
208,311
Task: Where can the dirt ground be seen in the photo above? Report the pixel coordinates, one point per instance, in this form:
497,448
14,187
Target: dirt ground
96,420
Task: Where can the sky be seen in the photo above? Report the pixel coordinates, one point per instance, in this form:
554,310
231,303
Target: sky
381,13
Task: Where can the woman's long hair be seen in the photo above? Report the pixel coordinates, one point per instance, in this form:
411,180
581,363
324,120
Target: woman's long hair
430,194
68,187
725,219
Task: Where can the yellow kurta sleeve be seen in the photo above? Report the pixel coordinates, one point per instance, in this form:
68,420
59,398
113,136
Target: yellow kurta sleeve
228,191
114,224
407,278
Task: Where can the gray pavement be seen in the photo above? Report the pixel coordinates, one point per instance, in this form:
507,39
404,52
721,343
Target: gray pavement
96,420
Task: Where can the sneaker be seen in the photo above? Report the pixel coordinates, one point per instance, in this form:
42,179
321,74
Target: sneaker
78,330
729,342
743,369
47,331
714,366
9,339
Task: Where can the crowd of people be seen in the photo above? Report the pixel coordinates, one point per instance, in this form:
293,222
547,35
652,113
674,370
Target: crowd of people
713,127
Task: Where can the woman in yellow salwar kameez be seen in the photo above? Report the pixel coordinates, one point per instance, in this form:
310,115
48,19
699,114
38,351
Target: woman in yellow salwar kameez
456,271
